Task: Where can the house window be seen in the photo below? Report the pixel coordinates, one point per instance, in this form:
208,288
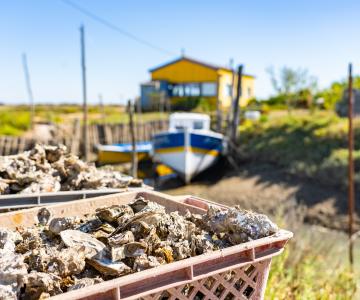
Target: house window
194,89
208,89
178,90
188,89
249,92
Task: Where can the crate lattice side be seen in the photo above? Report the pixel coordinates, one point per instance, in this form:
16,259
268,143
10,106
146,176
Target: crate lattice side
246,283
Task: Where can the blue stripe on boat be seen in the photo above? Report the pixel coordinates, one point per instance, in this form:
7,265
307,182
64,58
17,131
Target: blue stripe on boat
205,142
169,140
127,147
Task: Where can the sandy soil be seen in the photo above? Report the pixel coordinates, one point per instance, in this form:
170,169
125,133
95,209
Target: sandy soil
266,189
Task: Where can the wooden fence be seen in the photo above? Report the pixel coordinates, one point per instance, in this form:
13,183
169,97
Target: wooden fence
98,134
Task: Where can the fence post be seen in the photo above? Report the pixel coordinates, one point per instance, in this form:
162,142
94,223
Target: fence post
236,108
351,191
133,140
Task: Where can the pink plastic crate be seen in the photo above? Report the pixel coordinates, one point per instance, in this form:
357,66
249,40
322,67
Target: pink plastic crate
237,272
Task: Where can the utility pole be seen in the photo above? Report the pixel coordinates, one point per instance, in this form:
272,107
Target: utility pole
29,90
236,107
351,191
85,109
134,162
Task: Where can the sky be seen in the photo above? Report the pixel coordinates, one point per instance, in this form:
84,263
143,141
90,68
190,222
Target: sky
321,36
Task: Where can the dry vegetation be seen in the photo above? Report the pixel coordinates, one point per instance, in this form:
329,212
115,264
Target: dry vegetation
15,120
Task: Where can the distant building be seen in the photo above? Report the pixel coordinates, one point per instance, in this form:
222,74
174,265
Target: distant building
342,105
186,79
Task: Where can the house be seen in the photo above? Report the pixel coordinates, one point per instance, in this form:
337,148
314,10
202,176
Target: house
186,79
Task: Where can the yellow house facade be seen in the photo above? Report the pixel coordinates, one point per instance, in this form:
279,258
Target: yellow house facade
186,77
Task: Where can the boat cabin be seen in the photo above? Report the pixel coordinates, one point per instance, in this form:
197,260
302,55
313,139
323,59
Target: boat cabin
192,121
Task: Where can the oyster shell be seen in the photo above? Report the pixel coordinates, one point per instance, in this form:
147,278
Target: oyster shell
68,262
8,239
51,169
90,225
121,239
59,224
135,249
165,252
179,228
140,204
43,216
240,225
112,213
144,262
4,187
12,269
54,153
38,259
124,218
64,254
117,253
39,283
30,240
109,268
84,282
202,243
79,240
181,250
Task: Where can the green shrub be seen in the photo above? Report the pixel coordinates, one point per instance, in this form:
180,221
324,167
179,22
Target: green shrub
14,122
310,145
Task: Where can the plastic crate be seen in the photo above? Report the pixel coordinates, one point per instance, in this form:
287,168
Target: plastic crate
237,272
17,201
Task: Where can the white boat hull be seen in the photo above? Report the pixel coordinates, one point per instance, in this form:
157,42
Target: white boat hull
188,153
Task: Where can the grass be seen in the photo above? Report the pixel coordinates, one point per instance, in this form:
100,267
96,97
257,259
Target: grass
305,274
314,264
311,145
15,120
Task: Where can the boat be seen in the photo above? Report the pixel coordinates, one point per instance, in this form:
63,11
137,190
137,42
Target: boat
122,153
189,146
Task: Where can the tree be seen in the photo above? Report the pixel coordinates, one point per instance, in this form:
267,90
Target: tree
290,83
334,92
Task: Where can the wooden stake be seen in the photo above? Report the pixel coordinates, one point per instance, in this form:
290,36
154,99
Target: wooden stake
232,100
218,107
85,109
29,90
102,109
351,191
236,107
168,103
162,102
133,140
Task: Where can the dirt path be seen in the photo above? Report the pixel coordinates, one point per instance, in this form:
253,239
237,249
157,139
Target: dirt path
269,190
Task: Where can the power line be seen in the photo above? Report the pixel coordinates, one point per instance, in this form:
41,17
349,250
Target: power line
115,27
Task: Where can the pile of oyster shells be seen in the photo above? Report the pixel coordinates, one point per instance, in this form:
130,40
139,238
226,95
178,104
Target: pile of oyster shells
68,253
53,169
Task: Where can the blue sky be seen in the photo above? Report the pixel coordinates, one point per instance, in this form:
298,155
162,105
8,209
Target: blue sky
322,36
